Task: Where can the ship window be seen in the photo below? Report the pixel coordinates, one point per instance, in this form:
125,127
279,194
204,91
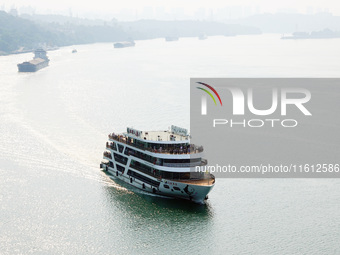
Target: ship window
121,159
184,175
166,186
110,164
176,188
175,175
197,175
143,156
195,160
167,175
120,148
181,162
129,151
177,160
141,167
120,168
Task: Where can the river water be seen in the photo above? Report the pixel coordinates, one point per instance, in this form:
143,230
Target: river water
53,129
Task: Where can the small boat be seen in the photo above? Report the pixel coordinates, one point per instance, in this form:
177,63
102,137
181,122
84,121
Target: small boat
171,38
74,51
202,37
323,34
124,44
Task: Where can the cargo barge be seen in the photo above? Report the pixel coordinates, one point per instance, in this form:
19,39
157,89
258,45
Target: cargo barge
39,61
171,38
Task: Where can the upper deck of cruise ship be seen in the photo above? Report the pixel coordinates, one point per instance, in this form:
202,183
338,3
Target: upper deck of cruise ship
174,141
160,136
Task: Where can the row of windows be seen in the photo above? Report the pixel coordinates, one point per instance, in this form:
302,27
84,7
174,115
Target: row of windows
157,146
141,155
163,162
189,160
165,174
143,178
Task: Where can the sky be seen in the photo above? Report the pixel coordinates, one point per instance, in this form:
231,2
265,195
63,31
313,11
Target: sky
171,9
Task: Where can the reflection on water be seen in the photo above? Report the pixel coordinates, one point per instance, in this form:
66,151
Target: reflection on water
163,205
154,223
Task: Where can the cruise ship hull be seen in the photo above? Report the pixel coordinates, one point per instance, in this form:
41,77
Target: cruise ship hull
169,188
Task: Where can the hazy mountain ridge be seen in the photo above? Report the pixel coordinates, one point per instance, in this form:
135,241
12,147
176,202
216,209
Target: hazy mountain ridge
147,29
62,20
16,32
28,32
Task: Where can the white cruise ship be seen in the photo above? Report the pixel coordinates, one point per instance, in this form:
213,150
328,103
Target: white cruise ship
160,162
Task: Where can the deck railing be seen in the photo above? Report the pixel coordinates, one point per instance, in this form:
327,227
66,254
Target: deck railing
107,154
190,149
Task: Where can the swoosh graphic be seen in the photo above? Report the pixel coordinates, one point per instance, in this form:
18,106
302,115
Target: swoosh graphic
209,94
212,90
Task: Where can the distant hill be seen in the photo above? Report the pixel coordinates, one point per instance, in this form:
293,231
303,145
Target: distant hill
18,34
146,29
62,20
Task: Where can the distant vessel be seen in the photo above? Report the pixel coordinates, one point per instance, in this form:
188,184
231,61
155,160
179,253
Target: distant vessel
323,34
74,51
171,38
39,61
202,37
124,44
51,48
159,162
